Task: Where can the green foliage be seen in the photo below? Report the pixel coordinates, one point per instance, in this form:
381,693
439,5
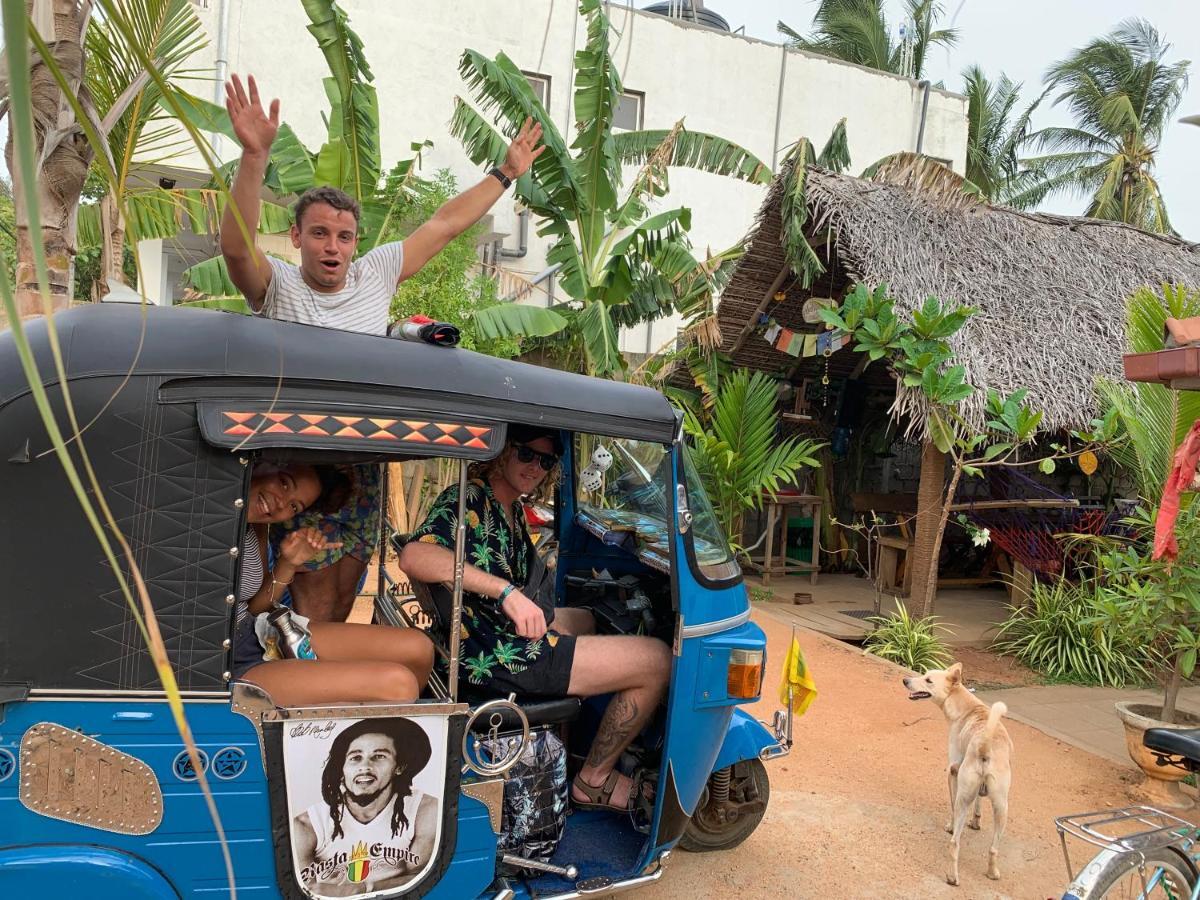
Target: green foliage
761,595
618,261
8,230
857,31
1061,636
910,641
738,453
1122,94
995,139
88,274
1153,418
444,289
1155,601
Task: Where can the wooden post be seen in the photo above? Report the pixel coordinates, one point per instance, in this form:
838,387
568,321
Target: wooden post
929,514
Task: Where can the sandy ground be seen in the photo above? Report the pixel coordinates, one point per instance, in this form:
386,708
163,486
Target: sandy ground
858,808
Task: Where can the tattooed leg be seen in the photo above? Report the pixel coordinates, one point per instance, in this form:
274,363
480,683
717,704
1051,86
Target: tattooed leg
636,670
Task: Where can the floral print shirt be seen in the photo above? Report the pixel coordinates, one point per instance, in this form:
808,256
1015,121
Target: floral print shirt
489,636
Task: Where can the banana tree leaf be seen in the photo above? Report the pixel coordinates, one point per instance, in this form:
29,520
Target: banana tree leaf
333,165
597,92
500,87
693,150
355,112
515,320
211,277
201,114
484,144
600,339
294,163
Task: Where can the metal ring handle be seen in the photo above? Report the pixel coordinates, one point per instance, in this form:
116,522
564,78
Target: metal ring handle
494,769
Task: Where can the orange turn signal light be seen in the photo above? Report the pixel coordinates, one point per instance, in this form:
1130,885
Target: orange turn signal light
745,674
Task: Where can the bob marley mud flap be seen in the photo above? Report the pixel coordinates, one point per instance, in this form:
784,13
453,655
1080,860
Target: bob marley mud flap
364,799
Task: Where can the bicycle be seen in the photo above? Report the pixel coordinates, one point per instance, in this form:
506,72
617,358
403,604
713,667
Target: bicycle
1145,852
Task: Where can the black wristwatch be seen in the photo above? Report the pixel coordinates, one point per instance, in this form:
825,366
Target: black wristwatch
501,177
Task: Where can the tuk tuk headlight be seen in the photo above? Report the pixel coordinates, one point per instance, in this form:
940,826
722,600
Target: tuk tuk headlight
745,674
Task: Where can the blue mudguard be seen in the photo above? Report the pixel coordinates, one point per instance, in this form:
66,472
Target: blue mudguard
745,738
66,870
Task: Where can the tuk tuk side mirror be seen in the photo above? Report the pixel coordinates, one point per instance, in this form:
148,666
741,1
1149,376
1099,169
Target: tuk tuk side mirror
681,509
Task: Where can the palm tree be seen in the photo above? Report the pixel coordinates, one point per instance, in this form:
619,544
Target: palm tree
995,140
1122,94
1154,418
737,453
617,259
90,111
857,31
144,134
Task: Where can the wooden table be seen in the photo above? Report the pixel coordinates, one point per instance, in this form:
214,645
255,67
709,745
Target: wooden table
777,514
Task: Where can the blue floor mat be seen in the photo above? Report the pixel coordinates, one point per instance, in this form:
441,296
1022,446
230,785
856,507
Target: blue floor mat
597,843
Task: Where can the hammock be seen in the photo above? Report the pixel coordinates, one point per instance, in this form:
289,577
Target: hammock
1027,520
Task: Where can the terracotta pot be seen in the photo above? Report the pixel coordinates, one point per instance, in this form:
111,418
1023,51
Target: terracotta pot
1161,788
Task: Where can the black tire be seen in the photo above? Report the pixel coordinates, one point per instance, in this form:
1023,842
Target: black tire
1121,879
706,833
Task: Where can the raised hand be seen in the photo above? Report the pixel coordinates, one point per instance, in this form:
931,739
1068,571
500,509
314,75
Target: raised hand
523,150
303,544
255,128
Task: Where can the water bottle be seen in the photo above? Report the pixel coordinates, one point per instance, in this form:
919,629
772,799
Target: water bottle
294,639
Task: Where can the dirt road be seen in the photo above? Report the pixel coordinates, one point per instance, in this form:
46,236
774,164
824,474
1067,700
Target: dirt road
858,808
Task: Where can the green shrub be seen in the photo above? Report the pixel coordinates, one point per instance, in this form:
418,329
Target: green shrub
909,641
1061,635
761,595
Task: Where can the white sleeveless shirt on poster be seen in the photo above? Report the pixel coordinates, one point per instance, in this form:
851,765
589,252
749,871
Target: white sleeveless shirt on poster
388,856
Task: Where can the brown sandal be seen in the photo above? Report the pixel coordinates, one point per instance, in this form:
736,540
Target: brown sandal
600,796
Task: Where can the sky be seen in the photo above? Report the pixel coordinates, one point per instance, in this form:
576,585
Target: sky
1023,38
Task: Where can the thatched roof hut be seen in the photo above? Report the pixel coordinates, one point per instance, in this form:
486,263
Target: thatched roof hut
1050,290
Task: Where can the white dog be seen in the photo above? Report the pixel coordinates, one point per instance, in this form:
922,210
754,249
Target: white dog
980,757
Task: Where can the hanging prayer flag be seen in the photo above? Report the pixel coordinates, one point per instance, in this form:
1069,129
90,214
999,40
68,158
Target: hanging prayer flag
795,345
785,338
771,333
810,345
825,342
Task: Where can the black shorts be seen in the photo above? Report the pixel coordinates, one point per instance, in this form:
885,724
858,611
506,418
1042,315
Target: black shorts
547,676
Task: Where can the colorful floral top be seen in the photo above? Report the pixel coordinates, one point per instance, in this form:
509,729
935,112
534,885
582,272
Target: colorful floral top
489,637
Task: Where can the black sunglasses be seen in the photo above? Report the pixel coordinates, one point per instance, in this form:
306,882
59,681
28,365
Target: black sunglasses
526,454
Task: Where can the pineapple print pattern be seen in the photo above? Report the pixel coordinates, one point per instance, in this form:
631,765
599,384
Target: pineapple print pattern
490,643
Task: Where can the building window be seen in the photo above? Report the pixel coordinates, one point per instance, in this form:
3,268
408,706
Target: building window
628,114
541,87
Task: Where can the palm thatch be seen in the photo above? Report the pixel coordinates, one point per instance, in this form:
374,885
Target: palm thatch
1050,290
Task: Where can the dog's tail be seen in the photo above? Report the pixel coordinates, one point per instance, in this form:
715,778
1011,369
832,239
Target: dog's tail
997,711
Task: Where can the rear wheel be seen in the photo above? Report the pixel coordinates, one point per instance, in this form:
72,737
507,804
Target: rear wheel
1166,875
733,803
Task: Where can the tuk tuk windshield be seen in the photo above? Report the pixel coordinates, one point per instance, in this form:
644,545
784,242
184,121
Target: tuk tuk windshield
623,488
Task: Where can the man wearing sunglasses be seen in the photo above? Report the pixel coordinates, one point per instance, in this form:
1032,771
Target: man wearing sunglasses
510,644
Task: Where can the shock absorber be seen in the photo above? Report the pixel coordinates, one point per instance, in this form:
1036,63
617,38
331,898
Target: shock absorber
718,785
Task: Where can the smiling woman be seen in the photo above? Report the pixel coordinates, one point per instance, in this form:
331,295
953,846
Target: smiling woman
354,662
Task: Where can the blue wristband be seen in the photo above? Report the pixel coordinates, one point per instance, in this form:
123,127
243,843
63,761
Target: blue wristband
509,588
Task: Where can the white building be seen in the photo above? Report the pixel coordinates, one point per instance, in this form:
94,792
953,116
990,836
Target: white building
755,93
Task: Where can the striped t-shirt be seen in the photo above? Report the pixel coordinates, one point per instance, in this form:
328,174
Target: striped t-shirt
361,305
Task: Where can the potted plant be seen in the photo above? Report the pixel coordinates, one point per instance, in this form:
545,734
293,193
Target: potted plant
1158,603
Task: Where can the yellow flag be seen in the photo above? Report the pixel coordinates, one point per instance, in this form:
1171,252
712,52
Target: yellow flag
797,676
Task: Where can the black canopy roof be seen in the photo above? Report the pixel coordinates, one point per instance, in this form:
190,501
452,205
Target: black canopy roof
207,354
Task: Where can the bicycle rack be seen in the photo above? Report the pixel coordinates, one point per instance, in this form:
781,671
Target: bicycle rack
1134,830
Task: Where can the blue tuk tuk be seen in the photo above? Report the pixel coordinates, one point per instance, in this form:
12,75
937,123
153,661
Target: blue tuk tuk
98,794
